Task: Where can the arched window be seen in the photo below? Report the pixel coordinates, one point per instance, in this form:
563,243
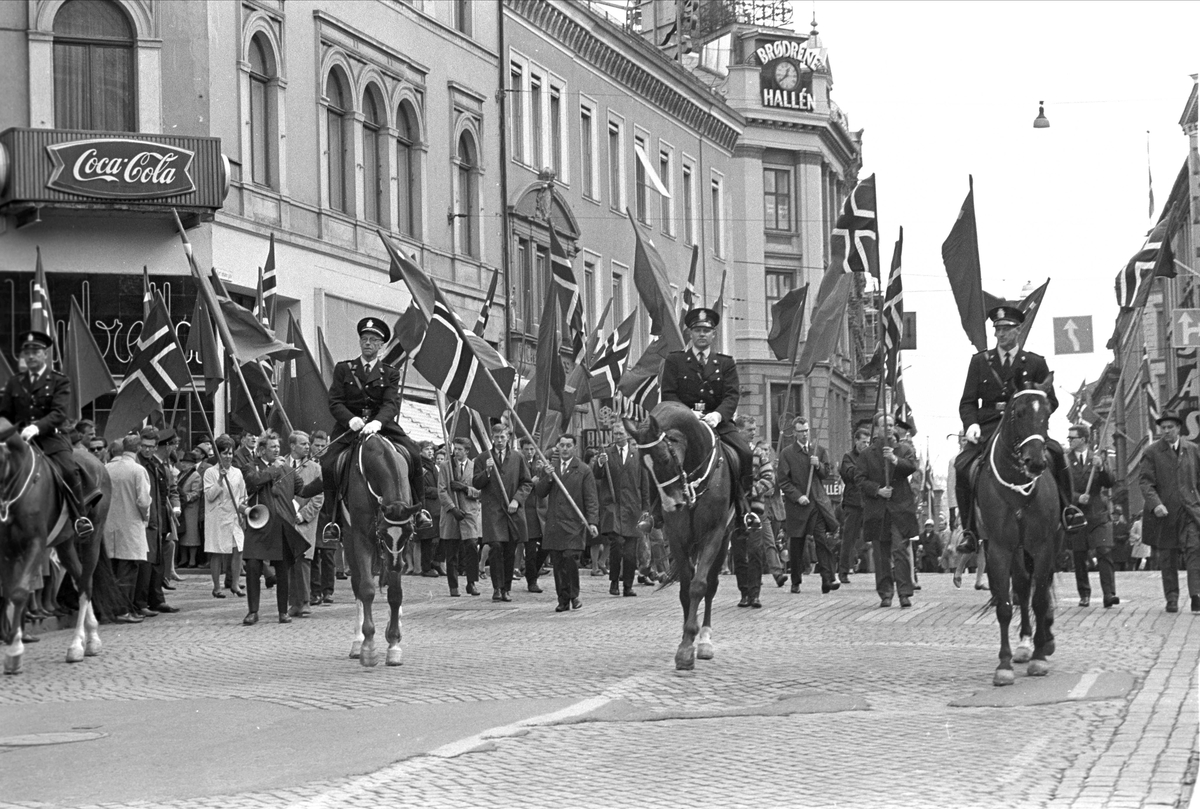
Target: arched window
373,188
338,127
408,192
263,158
467,196
93,67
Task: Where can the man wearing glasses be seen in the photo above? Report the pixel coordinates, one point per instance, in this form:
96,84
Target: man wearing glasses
365,399
707,382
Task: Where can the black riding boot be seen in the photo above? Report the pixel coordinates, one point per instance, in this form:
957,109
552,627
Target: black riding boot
75,503
332,531
966,506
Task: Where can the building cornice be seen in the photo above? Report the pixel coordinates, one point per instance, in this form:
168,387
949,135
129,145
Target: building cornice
834,137
694,110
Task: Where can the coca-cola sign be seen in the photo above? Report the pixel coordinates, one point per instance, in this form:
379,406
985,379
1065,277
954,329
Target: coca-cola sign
121,168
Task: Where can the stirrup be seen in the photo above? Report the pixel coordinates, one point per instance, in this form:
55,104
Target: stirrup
332,533
969,542
422,519
84,528
1073,518
752,521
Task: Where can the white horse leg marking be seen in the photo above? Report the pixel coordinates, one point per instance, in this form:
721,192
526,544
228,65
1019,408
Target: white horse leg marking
1024,650
359,615
704,644
92,645
75,650
395,655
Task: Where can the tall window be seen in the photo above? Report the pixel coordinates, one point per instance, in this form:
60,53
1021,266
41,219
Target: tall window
689,194
407,191
262,114
94,84
777,199
373,123
468,197
718,213
666,203
556,130
587,151
525,297
618,297
779,283
338,126
535,121
614,165
516,102
462,16
641,183
589,289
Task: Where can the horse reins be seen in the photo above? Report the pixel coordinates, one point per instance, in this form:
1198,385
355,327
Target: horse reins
690,490
1023,489
7,503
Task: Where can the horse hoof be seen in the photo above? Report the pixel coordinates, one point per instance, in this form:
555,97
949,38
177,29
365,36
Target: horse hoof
1023,652
75,654
1038,668
368,660
92,648
355,649
704,651
685,660
1003,677
395,657
12,665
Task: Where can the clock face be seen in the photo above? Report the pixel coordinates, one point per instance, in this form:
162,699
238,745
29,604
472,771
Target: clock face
786,75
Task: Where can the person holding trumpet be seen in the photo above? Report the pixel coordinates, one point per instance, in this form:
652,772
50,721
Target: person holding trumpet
224,502
271,534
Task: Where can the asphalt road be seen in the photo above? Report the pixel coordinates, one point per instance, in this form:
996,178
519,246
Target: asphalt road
812,701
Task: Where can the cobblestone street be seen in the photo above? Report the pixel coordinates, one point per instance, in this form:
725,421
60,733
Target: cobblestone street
812,701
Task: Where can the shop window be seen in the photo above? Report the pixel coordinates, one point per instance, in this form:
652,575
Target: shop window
94,85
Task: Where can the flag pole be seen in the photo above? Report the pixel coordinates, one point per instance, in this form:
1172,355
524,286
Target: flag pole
403,382
787,396
210,298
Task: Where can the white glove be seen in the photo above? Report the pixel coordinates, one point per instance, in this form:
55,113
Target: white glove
372,427
973,433
30,432
711,419
356,424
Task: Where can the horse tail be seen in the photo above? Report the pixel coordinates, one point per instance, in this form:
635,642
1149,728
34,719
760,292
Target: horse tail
107,598
672,575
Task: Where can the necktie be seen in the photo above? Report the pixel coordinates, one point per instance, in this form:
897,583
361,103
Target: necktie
703,358
500,457
1007,362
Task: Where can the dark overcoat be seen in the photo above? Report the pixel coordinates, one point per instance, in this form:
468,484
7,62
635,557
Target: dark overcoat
851,496
619,514
879,514
274,486
1096,509
562,529
791,476
1168,479
510,478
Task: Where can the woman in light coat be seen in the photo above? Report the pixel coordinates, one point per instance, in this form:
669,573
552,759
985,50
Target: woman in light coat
224,499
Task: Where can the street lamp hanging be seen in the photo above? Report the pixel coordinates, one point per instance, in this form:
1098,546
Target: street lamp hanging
1041,122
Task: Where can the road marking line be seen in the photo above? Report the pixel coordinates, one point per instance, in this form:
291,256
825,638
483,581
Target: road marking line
1084,685
457,748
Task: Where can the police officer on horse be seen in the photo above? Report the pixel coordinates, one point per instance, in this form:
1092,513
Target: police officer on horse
364,400
36,401
707,382
993,377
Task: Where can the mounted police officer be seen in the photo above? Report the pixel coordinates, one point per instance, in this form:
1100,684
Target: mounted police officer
707,382
365,399
36,401
993,377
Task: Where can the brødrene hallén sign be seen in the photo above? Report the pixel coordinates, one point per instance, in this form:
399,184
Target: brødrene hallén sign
121,168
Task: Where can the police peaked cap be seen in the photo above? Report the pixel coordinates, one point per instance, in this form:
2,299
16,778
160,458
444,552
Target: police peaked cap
374,325
1007,315
701,316
36,338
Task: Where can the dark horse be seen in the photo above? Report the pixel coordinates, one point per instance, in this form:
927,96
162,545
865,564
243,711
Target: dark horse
33,519
376,519
1017,506
691,471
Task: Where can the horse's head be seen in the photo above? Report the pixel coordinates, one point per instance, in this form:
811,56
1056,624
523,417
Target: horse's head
668,439
385,472
1029,417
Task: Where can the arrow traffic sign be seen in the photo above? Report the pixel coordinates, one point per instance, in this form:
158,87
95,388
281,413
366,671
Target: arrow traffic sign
1185,328
1073,335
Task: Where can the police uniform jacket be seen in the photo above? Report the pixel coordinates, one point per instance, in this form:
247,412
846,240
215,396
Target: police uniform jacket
714,386
510,478
1168,478
621,510
988,388
879,514
371,396
1096,509
43,402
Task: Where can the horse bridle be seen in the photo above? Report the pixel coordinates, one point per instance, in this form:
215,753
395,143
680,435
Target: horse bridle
691,490
1023,489
396,547
6,503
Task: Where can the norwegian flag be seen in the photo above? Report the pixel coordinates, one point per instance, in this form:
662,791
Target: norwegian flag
689,291
606,371
893,315
639,402
269,288
157,370
485,311
147,294
41,316
854,242
1134,281
463,422
568,294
